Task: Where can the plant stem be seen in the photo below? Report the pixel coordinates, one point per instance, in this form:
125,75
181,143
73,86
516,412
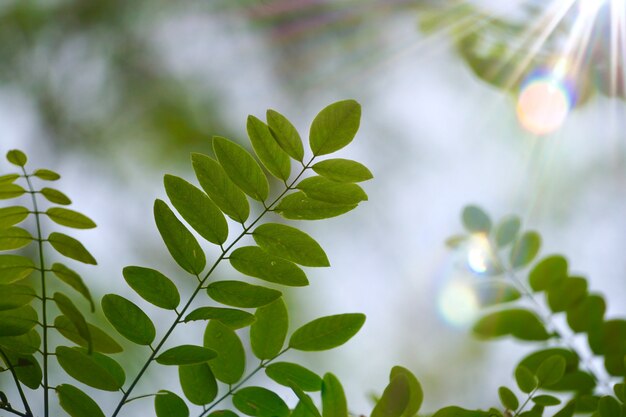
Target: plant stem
28,413
530,396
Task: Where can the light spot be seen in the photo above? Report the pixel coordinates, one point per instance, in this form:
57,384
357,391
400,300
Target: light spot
479,256
458,303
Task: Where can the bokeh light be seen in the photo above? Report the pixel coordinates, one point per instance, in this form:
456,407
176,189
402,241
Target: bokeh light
479,255
458,303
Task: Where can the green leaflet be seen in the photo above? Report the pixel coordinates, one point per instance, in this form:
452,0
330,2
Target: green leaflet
14,268
342,170
568,410
395,398
8,178
526,380
100,341
298,206
128,319
285,134
224,193
197,209
255,262
70,218
198,383
74,280
260,402
550,371
518,323
168,404
95,369
71,248
609,407
576,381
28,371
496,292
14,238
334,403
286,373
303,409
15,295
327,332
273,157
476,220
17,157
535,359
230,363
46,175
233,318
24,344
454,411
241,168
68,308
76,403
568,293
269,330
186,355
152,286
10,216
416,395
586,315
223,413
546,400
508,398
334,127
525,249
549,272
17,321
9,190
290,243
323,189
181,244
305,401
507,230
241,294
55,196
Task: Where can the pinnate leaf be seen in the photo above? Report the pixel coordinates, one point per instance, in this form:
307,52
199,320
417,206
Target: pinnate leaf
74,280
255,262
231,317
273,157
46,175
95,369
327,332
71,248
128,319
14,268
298,206
290,243
76,403
70,218
230,363
342,170
286,373
269,330
17,321
285,134
241,294
334,127
186,355
168,404
55,196
10,216
152,286
198,383
14,238
322,189
260,402
15,295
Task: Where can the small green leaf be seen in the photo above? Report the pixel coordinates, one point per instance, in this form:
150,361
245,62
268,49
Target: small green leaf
128,319
548,273
395,398
342,170
70,218
567,293
273,157
334,127
15,295
28,371
304,402
76,403
298,206
577,381
567,411
223,413
260,402
71,248
17,157
181,244
290,243
476,220
255,262
620,391
14,238
230,363
327,332
55,196
587,314
508,398
95,369
454,411
241,294
168,404
233,318
416,395
525,249
186,355
526,380
24,344
268,332
197,209
547,400
323,189
198,383
9,190
551,371
535,359
17,321
507,230
101,342
334,403
518,323
496,292
8,178
46,175
285,134
609,407
152,286
70,311
241,168
10,216
74,280
15,268
286,373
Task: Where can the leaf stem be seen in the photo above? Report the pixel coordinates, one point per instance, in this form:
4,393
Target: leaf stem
28,413
521,408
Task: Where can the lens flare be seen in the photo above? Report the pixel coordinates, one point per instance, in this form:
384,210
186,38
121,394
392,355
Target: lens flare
479,256
458,303
589,7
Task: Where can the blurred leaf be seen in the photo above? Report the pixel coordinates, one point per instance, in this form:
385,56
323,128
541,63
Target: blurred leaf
255,262
8,191
71,248
233,318
286,373
620,391
17,321
198,383
17,157
46,175
327,332
548,273
8,178
322,189
28,371
508,398
269,330
454,411
24,344
260,402
186,355
290,243
507,230
273,157
241,294
342,170
587,314
496,292
567,293
74,280
14,238
526,380
285,134
128,319
95,369
518,323
567,411
223,413
550,371
298,206
230,363
168,404
334,403
101,341
395,398
74,315
577,381
70,218
546,400
10,216
476,220
525,249
14,268
76,403
15,295
55,196
152,286
334,127
535,359
181,244
416,395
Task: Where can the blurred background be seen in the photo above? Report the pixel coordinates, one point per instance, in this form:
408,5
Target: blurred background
515,106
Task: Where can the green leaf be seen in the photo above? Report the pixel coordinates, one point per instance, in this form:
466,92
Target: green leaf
416,395
508,398
241,168
496,292
525,249
260,402
322,189
198,383
230,363
298,206
255,262
46,175
186,355
15,268
327,332
14,238
567,411
305,402
507,230
28,371
547,400
10,216
476,220
70,218
224,193
454,411
577,381
76,403
548,273
95,369
70,311
71,248
241,294
101,341
395,398
285,134
181,244
269,331
8,178
334,127
334,402
286,373
551,371
567,293
74,280
290,243
15,295
152,286
587,314
197,209
128,319
9,190
168,404
518,323
17,321
342,170
17,157
55,196
535,359
24,344
609,407
273,157
223,413
233,318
